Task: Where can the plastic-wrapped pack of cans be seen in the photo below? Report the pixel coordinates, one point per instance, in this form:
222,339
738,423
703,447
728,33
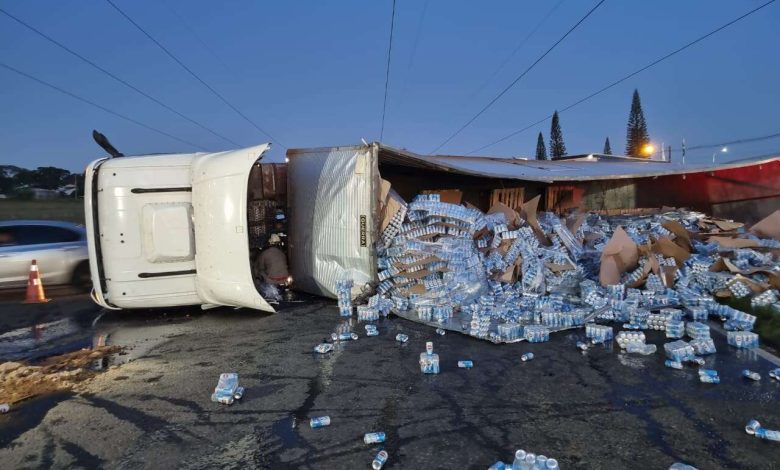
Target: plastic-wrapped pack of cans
509,331
698,314
679,350
742,339
536,333
697,330
344,296
703,346
624,338
765,299
598,333
675,328
367,313
657,322
480,324
739,289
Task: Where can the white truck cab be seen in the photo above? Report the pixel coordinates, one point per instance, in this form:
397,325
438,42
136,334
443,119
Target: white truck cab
170,230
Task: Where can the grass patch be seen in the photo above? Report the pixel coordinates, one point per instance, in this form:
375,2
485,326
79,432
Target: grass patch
69,210
767,320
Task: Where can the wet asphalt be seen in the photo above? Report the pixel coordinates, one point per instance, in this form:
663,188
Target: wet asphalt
599,409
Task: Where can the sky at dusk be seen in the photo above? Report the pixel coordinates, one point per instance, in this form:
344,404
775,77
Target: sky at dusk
312,74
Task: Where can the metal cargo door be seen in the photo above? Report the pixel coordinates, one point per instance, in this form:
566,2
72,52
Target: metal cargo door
331,195
219,201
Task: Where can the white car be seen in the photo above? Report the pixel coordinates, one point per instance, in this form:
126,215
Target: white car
60,249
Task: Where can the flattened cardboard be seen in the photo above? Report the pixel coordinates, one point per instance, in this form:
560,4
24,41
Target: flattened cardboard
679,231
416,274
420,262
393,204
768,227
574,224
512,273
450,196
558,268
723,264
620,254
418,289
727,225
667,275
670,249
727,242
529,214
510,214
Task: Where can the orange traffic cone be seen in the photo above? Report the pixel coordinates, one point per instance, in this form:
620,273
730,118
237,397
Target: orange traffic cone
35,293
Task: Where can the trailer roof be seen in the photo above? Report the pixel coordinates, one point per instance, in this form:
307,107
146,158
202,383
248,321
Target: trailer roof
573,168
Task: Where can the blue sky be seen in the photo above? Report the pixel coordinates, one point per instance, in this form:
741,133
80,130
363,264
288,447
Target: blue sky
312,73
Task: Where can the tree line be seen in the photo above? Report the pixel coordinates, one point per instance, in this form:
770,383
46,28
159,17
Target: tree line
637,137
17,181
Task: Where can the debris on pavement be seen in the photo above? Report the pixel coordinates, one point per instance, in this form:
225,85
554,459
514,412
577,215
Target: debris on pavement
371,330
323,348
754,428
528,461
20,381
429,361
319,422
401,338
374,437
527,357
709,376
227,390
379,460
465,364
775,374
681,466
5,408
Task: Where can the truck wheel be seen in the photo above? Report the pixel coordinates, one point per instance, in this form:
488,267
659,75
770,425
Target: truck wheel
81,278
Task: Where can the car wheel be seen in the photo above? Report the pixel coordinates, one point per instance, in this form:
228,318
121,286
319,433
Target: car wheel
81,278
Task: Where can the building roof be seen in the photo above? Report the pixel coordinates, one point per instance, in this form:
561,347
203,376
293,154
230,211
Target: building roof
574,168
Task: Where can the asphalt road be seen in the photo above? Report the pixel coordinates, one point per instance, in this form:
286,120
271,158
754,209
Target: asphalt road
601,409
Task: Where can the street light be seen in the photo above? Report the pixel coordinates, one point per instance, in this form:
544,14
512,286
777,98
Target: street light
648,150
723,150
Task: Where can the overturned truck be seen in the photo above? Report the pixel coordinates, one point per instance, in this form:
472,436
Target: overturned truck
168,230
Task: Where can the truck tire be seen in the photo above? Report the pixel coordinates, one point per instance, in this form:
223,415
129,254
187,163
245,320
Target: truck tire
81,279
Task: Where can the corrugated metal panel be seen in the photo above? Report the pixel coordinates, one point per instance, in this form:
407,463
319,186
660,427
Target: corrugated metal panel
574,169
331,199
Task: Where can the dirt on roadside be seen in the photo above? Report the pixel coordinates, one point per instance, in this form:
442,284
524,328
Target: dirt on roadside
20,381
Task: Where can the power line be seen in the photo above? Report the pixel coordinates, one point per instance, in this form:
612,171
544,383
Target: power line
746,140
415,44
743,140
197,36
182,65
621,80
516,49
92,103
514,82
116,78
387,72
